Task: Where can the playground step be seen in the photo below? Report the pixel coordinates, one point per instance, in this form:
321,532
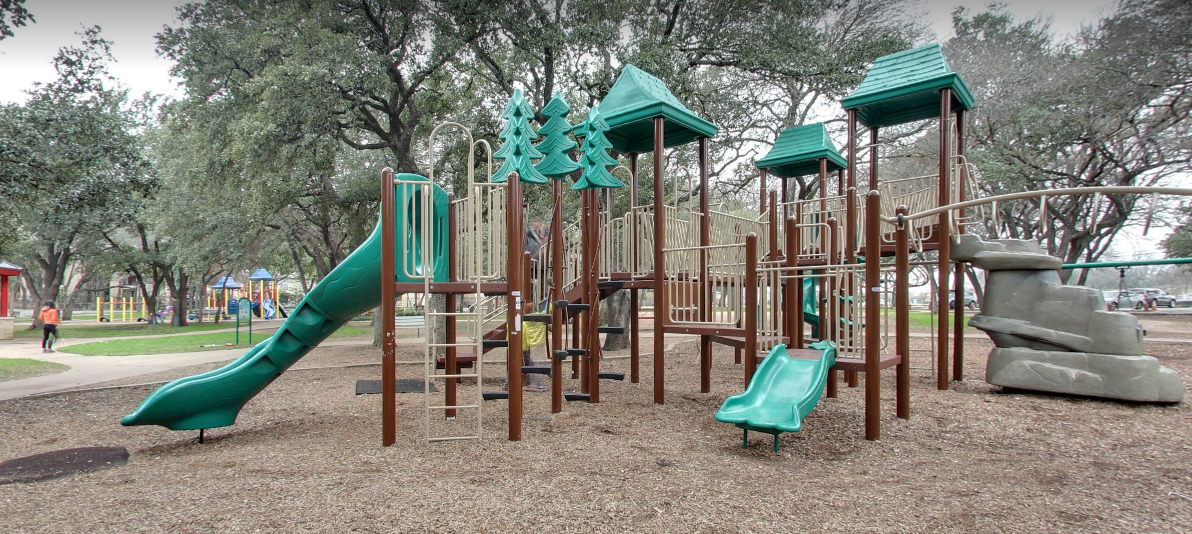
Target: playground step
462,360
573,308
611,329
495,395
495,343
577,352
561,355
536,369
537,317
610,284
577,396
611,376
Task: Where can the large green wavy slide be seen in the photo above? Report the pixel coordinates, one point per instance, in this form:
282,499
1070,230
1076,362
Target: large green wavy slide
214,399
782,392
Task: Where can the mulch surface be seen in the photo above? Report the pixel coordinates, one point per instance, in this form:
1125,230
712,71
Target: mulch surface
305,456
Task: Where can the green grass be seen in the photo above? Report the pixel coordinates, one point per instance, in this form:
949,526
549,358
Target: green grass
194,343
924,320
15,368
120,329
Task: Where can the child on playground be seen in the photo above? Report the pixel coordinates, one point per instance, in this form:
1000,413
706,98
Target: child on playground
49,326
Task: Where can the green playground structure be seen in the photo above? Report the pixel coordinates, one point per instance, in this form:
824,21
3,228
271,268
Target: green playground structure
214,399
783,391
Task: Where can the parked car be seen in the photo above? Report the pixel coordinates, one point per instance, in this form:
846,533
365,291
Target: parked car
1161,298
1124,300
970,301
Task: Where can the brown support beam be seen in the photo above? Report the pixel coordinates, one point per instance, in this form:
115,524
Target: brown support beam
451,365
513,301
659,267
705,293
593,313
774,222
762,192
828,311
902,308
556,321
751,310
873,315
944,251
794,286
388,347
634,329
850,223
958,322
585,283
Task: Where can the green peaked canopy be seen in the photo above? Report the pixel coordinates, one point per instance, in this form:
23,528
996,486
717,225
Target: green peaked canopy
635,99
905,87
797,152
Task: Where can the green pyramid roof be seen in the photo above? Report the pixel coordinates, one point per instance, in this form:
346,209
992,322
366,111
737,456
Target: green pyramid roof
904,87
635,99
797,152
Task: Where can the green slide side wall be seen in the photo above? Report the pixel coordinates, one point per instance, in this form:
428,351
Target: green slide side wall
783,391
214,399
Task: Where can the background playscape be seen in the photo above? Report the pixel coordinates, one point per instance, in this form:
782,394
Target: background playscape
830,261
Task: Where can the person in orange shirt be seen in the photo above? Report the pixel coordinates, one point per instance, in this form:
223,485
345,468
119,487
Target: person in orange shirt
49,326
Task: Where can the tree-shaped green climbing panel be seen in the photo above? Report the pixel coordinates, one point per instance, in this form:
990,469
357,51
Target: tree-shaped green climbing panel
596,160
517,147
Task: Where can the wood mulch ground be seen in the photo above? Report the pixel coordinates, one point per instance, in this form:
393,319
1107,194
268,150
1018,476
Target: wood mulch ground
305,456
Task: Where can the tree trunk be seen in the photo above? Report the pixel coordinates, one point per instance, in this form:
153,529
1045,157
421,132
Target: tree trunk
614,311
376,324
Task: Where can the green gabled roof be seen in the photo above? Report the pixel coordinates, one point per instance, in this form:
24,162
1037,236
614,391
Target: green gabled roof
635,99
904,87
797,152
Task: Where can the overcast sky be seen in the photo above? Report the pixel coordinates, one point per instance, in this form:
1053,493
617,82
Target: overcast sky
132,24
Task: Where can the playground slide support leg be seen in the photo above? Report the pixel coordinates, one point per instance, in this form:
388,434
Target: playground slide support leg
873,340
659,267
705,294
902,308
944,237
388,346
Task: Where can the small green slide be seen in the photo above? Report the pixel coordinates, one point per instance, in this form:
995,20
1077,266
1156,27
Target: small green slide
783,391
214,399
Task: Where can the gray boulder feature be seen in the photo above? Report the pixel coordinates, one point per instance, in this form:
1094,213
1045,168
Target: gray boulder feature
1057,338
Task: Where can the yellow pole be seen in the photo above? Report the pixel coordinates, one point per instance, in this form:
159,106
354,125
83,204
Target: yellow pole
111,308
124,309
98,309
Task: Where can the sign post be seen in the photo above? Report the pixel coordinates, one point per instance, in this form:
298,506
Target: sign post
243,313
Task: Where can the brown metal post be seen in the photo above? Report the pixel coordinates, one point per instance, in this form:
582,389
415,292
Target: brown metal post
794,286
762,192
659,268
513,357
585,282
827,326
634,341
556,321
958,322
902,310
873,315
388,296
774,222
945,245
450,364
593,312
705,293
850,223
750,306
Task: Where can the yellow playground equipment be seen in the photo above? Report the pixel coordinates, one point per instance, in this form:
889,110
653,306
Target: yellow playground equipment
122,309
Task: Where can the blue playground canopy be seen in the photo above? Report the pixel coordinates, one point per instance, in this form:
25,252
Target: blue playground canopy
261,274
226,283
